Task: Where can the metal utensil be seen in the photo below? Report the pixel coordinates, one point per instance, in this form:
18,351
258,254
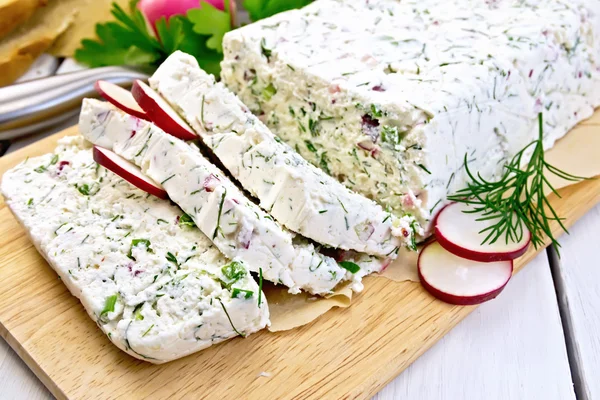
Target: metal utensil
34,105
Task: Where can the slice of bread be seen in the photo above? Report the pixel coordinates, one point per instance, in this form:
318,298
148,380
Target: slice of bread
20,48
15,12
91,12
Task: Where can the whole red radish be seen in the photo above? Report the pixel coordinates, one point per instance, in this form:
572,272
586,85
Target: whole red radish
155,9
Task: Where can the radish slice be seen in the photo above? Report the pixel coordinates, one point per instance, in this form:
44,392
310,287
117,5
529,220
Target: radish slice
458,232
120,98
127,171
160,112
460,281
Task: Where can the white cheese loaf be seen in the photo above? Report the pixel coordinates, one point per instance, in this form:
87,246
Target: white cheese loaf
298,195
238,227
393,95
158,288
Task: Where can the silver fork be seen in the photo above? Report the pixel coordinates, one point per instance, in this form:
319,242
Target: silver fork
38,104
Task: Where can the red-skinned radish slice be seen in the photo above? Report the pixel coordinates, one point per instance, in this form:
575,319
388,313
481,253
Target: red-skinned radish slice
128,171
460,281
120,98
160,112
459,233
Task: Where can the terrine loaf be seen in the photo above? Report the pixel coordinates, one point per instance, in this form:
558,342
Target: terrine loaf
238,227
298,195
158,288
391,97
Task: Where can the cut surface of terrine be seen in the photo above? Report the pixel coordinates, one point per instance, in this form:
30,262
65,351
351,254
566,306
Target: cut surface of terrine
238,227
391,96
159,289
298,195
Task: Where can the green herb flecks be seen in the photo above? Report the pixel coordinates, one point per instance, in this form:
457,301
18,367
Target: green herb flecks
391,135
186,220
519,191
139,242
265,50
232,272
260,285
313,127
246,294
109,306
268,92
88,190
168,179
148,330
424,168
324,163
137,312
219,216
311,147
171,258
376,111
229,318
342,204
350,266
202,112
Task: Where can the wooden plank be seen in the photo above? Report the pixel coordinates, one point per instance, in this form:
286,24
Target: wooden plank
350,353
510,348
577,275
16,380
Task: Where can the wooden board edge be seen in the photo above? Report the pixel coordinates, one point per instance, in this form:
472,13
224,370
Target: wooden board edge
368,387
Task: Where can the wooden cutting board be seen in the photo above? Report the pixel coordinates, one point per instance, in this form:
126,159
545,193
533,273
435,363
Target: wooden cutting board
347,353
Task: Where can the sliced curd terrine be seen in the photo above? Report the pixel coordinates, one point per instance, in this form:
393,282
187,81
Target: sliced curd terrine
298,195
238,227
158,288
391,96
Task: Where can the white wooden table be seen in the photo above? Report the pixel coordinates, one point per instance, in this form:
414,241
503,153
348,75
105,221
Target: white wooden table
540,339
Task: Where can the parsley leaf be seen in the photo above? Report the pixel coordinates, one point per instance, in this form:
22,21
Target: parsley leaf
127,41
130,41
259,9
209,20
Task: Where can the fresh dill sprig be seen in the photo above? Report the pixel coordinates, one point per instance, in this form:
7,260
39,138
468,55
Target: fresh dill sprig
517,200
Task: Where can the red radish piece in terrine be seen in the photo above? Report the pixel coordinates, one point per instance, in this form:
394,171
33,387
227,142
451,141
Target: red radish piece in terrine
459,232
128,171
460,281
160,112
120,98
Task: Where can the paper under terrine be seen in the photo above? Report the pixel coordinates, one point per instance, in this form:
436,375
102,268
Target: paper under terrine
158,288
391,96
238,227
298,195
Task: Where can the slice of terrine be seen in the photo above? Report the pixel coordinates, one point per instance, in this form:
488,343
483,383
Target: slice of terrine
298,195
158,288
238,227
393,96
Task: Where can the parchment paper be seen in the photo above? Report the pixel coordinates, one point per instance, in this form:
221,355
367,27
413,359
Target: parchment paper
577,153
